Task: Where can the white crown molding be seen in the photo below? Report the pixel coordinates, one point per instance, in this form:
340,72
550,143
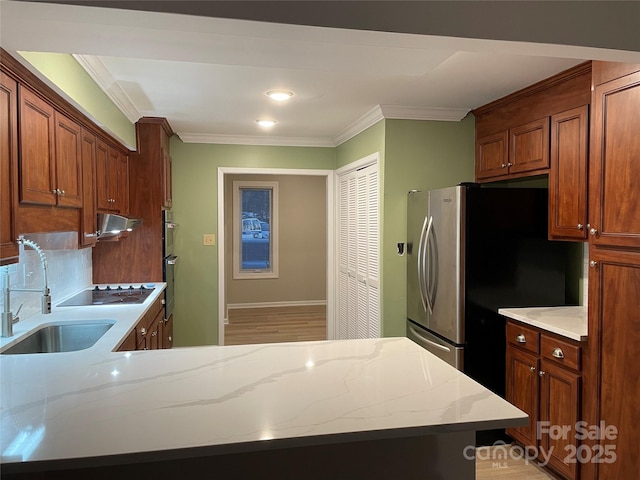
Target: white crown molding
370,118
255,140
101,75
424,113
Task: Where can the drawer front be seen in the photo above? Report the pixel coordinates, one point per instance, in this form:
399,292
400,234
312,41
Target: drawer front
523,337
560,351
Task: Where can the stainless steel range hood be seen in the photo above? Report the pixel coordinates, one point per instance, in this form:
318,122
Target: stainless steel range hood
111,225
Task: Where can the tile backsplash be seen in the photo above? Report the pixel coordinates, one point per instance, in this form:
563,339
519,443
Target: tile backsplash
67,272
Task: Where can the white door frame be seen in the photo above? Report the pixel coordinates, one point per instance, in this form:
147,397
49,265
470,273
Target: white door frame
330,183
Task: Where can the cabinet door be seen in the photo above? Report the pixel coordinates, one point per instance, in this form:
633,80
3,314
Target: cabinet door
88,222
37,147
522,391
491,155
8,168
559,407
615,163
568,175
614,318
102,176
167,333
529,147
122,183
68,163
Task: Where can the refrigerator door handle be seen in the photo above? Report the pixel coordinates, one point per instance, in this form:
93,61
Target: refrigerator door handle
428,268
435,345
432,248
421,269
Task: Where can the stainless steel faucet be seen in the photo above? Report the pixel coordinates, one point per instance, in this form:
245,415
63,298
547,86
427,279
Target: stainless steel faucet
5,285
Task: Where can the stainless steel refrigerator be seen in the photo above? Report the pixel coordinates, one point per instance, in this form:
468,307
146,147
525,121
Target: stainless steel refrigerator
470,251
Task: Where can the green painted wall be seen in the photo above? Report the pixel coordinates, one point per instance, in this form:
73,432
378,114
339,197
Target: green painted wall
63,70
195,207
420,155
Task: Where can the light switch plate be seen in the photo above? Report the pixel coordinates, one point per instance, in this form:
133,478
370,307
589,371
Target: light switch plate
209,239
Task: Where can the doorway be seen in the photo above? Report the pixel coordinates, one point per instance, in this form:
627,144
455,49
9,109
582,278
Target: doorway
294,297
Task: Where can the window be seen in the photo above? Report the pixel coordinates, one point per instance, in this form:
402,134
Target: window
255,232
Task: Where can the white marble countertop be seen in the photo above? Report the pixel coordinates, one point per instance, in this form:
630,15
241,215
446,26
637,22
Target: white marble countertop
164,404
570,322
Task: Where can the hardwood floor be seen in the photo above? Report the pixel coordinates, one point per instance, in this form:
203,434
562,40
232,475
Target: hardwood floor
492,464
276,324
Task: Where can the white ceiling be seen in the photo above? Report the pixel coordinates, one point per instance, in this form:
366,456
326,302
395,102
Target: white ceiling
208,76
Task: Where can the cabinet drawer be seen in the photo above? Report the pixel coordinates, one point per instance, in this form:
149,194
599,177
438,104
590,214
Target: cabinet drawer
523,337
560,351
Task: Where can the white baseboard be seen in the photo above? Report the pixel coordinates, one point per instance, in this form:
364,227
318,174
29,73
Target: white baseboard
304,303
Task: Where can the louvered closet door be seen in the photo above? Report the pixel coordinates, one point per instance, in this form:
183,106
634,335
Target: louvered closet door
358,295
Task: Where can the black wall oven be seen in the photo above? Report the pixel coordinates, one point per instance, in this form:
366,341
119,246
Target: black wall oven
169,261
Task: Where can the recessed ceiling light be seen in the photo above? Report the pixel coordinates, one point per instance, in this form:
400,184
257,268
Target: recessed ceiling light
266,123
279,95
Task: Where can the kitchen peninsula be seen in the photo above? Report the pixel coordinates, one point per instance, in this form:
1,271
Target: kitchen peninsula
369,408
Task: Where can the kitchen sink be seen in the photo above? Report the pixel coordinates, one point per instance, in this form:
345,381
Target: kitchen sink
61,337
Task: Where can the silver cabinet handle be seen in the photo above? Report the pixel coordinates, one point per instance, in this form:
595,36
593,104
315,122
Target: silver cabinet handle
593,263
533,369
580,226
153,334
172,260
509,164
503,165
171,339
61,192
521,339
593,231
541,373
171,225
557,353
143,331
91,235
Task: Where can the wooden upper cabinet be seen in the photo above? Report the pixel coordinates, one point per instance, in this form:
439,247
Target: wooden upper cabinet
492,155
614,192
88,220
112,179
8,168
68,155
37,149
568,175
529,147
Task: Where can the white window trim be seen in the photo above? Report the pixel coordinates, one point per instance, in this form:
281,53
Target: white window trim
273,271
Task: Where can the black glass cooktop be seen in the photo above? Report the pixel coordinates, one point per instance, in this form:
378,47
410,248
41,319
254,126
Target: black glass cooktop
109,296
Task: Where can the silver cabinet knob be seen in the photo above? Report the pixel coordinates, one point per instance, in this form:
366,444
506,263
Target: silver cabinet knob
557,353
61,192
541,373
143,331
580,226
502,165
593,263
593,231
521,339
171,339
533,369
509,164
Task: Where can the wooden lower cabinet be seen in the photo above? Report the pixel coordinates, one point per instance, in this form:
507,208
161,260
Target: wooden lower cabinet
152,332
614,317
544,380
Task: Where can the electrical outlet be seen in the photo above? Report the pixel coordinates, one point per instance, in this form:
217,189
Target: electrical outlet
209,239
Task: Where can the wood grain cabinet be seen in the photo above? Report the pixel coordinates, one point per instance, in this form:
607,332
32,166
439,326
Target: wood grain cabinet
8,168
614,194
511,153
50,154
544,380
568,175
88,221
112,179
151,331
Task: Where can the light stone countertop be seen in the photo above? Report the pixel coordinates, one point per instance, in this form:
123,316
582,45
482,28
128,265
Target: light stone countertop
570,322
162,404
